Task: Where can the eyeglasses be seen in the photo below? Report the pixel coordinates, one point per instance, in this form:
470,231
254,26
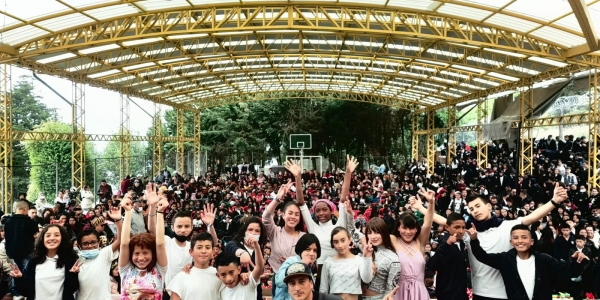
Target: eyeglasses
89,244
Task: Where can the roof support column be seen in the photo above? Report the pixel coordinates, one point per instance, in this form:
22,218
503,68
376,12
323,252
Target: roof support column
526,131
197,148
78,129
451,139
180,141
594,149
158,142
414,153
124,140
430,142
482,146
6,189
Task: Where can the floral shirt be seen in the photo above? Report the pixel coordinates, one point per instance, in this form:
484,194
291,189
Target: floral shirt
139,284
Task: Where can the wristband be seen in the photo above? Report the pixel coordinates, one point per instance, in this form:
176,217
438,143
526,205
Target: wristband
121,219
554,203
278,200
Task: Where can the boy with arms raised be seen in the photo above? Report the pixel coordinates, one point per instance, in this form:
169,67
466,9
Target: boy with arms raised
450,262
492,231
526,274
229,270
201,280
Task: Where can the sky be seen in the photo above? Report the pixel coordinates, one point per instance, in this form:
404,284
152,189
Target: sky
102,107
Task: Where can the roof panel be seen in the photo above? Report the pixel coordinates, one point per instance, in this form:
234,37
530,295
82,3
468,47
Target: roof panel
30,9
64,22
8,21
552,9
513,23
22,34
113,11
464,11
570,22
153,5
86,3
558,36
489,3
594,10
427,5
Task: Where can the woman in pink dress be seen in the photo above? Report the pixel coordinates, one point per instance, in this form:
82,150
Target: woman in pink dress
412,239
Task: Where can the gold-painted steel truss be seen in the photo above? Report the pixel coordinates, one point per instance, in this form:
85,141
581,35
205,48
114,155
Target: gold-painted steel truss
415,137
157,159
180,141
451,141
6,142
526,131
78,130
197,144
594,125
482,145
124,143
430,142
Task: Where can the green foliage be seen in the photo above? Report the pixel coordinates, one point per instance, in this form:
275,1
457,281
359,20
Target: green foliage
108,162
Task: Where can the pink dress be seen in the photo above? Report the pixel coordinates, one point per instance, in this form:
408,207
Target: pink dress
412,276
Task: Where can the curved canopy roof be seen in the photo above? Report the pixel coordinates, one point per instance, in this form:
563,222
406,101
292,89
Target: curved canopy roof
408,54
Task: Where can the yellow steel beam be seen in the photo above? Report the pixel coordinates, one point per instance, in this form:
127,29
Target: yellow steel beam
67,137
124,143
581,12
555,121
78,130
180,141
157,143
526,131
594,125
430,142
482,145
197,140
451,141
414,153
6,172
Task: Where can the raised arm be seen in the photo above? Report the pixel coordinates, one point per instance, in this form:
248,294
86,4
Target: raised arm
208,217
296,170
428,217
259,261
161,253
270,209
417,204
351,164
152,214
115,214
560,195
125,233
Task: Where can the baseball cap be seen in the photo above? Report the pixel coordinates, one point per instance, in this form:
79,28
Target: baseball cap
296,269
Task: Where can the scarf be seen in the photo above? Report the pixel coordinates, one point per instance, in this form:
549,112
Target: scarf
482,226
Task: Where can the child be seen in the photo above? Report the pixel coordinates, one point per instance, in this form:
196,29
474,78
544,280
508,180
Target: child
526,275
450,262
342,274
187,285
143,259
229,270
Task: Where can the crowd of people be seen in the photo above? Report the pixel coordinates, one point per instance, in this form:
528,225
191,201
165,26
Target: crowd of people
388,233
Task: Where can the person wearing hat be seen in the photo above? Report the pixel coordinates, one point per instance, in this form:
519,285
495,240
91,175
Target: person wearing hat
300,283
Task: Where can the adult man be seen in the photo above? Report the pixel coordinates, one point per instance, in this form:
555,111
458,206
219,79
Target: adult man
104,191
492,231
300,282
137,218
19,232
33,214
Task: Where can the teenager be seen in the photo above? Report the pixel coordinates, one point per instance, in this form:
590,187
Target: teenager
487,281
385,259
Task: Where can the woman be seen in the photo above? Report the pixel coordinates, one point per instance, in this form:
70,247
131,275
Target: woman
386,261
143,259
87,199
283,239
252,227
412,239
51,274
323,209
307,251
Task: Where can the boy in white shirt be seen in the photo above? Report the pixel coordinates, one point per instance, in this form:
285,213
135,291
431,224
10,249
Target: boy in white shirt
201,280
229,270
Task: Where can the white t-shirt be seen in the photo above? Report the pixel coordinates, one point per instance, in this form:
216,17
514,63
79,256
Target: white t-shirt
526,270
240,291
92,284
487,281
49,280
178,257
199,282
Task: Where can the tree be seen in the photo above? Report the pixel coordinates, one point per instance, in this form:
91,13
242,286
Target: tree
108,162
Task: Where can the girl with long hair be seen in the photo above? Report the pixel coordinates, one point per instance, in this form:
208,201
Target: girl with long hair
52,271
385,259
283,239
143,259
342,274
239,245
307,250
412,239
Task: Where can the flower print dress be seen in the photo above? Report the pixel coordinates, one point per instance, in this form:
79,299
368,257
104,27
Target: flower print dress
139,284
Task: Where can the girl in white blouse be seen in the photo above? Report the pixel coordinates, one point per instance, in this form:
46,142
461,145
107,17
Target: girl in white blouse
343,273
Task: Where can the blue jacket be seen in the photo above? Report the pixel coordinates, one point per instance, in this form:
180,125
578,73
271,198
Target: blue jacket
281,292
26,284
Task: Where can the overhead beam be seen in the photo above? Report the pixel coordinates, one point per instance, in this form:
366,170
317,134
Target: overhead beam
581,12
67,137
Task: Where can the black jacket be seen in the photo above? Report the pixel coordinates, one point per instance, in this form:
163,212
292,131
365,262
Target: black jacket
26,284
19,231
450,263
547,268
